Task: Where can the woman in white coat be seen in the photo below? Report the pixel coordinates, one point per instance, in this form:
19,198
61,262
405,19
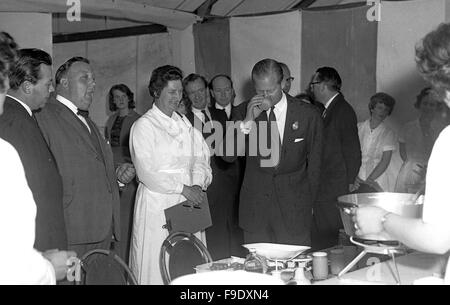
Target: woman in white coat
172,164
416,139
377,144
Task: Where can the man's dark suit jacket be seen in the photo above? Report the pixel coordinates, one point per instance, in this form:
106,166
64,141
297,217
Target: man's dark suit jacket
21,131
341,151
91,194
294,181
222,197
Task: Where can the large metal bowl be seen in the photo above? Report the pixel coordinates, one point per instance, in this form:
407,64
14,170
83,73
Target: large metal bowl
399,203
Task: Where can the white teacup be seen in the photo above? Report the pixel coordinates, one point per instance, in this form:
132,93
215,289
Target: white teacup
266,104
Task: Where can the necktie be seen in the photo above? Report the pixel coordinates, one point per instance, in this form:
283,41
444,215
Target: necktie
83,113
206,116
324,113
273,135
272,124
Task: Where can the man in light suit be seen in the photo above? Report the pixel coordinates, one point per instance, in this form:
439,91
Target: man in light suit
30,86
276,198
85,161
341,156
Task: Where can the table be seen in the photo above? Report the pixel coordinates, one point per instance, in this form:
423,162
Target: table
411,267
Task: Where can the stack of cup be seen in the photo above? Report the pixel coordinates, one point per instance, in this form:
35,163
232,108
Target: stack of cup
320,265
337,260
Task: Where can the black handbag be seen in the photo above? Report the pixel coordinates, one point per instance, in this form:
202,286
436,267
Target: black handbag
187,217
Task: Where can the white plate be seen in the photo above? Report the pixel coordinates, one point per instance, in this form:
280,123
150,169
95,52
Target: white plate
277,251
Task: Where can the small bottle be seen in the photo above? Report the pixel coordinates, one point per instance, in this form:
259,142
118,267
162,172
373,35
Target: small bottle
255,263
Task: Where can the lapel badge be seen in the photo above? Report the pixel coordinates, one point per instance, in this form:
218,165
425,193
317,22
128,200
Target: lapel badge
295,125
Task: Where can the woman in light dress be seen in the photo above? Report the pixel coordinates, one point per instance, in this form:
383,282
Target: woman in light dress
377,145
172,164
416,141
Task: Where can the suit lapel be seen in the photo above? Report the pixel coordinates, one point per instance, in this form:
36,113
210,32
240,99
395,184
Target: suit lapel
329,110
291,118
72,120
101,144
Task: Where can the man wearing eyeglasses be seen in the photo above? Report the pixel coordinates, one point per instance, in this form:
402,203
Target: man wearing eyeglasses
287,78
341,155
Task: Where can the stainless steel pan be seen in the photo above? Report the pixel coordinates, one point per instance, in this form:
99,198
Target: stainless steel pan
402,204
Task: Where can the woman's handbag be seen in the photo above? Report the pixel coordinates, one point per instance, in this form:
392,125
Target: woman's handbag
187,217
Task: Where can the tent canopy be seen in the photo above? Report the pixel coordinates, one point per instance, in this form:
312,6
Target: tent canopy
177,14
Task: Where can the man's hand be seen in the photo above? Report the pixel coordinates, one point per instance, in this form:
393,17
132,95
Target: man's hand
254,108
59,261
357,183
125,172
374,184
193,193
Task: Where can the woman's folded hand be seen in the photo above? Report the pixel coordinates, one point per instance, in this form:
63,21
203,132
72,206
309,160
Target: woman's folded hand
193,193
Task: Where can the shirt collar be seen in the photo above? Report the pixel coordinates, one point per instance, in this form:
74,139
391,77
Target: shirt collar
199,112
67,103
27,108
330,100
195,110
226,108
162,114
282,104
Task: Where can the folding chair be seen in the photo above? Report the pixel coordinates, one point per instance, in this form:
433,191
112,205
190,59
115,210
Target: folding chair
103,267
180,253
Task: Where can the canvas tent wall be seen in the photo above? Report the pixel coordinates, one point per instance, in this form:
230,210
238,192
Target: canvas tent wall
371,56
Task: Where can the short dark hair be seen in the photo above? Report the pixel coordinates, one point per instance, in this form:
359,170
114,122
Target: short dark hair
330,77
384,98
161,76
210,85
62,70
27,67
123,88
283,65
8,57
192,78
266,67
